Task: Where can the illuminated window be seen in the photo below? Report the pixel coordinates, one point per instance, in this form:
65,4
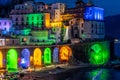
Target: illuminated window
5,23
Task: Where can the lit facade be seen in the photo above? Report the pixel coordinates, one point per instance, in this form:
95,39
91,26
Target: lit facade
34,24
94,13
94,29
5,25
9,41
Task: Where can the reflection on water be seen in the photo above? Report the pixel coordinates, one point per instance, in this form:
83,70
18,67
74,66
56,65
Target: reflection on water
91,74
98,74
81,74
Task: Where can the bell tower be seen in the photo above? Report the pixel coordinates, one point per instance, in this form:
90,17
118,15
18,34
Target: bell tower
80,3
90,3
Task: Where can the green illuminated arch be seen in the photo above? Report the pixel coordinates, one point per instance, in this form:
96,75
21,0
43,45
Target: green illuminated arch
47,56
98,54
12,60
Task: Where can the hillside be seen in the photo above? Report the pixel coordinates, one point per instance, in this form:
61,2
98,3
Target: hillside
112,24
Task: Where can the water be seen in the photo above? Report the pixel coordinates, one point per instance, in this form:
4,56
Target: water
96,74
81,74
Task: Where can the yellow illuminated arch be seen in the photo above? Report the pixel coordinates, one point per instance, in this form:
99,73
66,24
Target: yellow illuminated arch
37,57
65,53
1,59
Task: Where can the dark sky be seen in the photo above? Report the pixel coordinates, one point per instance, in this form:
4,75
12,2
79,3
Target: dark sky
112,7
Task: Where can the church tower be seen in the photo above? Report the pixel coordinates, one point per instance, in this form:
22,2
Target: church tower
90,3
80,3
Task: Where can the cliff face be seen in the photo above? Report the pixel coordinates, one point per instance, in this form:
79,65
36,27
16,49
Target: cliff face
112,24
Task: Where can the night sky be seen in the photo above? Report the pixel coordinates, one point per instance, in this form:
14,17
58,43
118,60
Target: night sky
111,7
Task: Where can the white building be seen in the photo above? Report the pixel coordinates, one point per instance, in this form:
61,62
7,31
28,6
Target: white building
9,41
94,29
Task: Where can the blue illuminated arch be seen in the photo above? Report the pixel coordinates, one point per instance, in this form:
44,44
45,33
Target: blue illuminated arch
56,55
25,58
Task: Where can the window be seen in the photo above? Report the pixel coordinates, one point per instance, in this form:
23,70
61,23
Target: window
82,31
22,19
96,30
22,23
10,23
92,26
32,18
16,19
82,25
32,23
5,23
90,11
92,31
38,18
26,18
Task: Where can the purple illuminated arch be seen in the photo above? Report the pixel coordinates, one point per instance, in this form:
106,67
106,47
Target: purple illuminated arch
56,55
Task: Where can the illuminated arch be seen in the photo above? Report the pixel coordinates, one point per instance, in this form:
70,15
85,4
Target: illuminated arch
47,56
98,54
1,59
12,56
65,53
25,58
37,57
55,55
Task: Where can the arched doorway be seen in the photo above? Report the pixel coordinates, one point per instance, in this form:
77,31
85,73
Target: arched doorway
37,57
25,58
47,56
65,53
55,55
98,54
12,64
1,59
